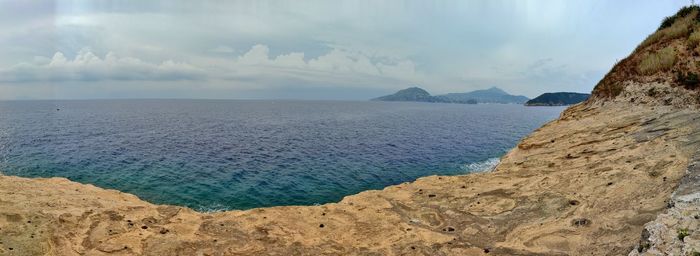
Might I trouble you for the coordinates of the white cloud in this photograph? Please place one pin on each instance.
(258, 55)
(86, 66)
(336, 61)
(445, 47)
(331, 68)
(342, 61)
(294, 59)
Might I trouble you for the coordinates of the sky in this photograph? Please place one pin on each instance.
(306, 49)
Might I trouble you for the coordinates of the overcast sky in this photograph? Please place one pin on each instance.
(313, 49)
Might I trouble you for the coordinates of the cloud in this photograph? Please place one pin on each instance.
(222, 49)
(541, 73)
(334, 67)
(444, 47)
(86, 66)
(336, 61)
(539, 63)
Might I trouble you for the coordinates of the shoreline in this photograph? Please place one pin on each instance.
(484, 166)
(568, 186)
(242, 163)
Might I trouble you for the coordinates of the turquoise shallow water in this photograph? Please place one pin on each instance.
(231, 154)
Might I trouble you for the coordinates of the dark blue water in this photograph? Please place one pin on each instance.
(225, 154)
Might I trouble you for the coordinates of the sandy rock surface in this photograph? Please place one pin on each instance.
(585, 184)
(677, 230)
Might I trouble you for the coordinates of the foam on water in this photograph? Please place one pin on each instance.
(214, 208)
(483, 166)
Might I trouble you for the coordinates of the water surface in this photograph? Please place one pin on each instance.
(234, 154)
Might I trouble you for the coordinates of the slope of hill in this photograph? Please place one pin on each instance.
(558, 99)
(665, 61)
(411, 94)
(491, 95)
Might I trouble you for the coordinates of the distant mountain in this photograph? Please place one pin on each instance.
(491, 95)
(558, 99)
(411, 94)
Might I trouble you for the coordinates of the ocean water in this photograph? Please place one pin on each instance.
(236, 154)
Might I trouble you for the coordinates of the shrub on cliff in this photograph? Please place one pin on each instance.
(661, 60)
(683, 12)
(689, 80)
(651, 39)
(680, 26)
(682, 233)
(694, 39)
(666, 56)
(679, 29)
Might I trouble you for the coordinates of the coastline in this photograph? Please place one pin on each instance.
(588, 181)
(250, 164)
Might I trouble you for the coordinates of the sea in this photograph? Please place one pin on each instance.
(214, 155)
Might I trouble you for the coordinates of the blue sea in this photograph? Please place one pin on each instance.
(240, 154)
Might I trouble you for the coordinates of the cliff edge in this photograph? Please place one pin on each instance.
(614, 175)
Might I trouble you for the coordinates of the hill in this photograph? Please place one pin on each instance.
(663, 69)
(558, 99)
(491, 95)
(411, 94)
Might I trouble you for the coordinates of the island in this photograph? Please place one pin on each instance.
(412, 94)
(558, 99)
(491, 95)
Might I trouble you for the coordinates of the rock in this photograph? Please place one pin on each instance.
(581, 222)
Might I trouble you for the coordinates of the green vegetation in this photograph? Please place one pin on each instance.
(694, 39)
(689, 80)
(679, 29)
(653, 38)
(669, 54)
(662, 60)
(682, 233)
(683, 12)
(557, 99)
(676, 26)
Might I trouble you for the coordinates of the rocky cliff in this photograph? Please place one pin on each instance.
(615, 175)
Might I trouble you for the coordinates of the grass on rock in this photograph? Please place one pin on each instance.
(662, 60)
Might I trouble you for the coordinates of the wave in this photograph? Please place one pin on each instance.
(212, 209)
(483, 166)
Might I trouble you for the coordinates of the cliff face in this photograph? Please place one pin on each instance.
(614, 175)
